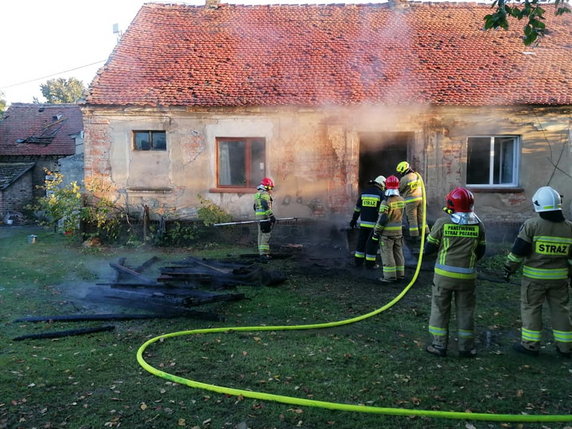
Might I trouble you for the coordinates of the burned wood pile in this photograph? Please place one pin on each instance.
(182, 285)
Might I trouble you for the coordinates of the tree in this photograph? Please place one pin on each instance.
(2, 103)
(62, 90)
(527, 9)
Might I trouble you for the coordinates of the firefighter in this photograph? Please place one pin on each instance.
(367, 211)
(459, 240)
(388, 232)
(544, 248)
(410, 188)
(265, 216)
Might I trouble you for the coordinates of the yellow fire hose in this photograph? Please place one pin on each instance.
(334, 405)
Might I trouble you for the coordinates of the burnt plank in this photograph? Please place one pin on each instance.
(118, 276)
(146, 264)
(93, 317)
(132, 273)
(59, 334)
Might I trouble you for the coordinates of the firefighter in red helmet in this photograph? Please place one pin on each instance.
(265, 216)
(544, 248)
(459, 239)
(388, 231)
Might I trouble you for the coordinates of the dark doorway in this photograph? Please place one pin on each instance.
(380, 153)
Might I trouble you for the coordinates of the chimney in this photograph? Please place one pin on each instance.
(212, 4)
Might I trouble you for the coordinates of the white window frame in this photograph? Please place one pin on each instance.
(516, 161)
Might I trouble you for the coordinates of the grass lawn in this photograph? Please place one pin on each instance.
(95, 381)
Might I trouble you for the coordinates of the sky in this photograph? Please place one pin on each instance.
(44, 40)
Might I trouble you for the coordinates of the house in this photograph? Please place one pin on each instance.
(207, 100)
(33, 138)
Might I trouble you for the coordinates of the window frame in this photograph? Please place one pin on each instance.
(250, 186)
(150, 133)
(517, 139)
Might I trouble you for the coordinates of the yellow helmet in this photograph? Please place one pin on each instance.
(402, 167)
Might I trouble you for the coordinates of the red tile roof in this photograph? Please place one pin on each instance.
(311, 55)
(40, 129)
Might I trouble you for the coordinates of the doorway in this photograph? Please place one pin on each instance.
(380, 153)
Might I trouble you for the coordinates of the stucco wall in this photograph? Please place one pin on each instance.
(313, 156)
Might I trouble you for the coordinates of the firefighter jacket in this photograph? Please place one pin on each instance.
(367, 206)
(263, 205)
(410, 187)
(390, 218)
(458, 246)
(545, 249)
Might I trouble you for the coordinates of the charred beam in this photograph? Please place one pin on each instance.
(59, 334)
(132, 273)
(93, 317)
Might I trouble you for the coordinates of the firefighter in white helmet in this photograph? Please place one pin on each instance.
(459, 239)
(367, 211)
(544, 248)
(410, 188)
(265, 216)
(388, 232)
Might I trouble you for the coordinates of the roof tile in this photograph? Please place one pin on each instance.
(271, 55)
(40, 129)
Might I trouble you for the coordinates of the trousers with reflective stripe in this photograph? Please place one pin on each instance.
(414, 216)
(533, 293)
(391, 249)
(444, 292)
(366, 249)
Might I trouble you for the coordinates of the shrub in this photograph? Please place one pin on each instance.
(210, 213)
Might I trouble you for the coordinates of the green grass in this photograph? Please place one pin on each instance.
(94, 381)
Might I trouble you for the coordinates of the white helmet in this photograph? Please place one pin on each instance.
(546, 199)
(380, 180)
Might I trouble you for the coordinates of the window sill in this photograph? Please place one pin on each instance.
(141, 190)
(231, 190)
(496, 190)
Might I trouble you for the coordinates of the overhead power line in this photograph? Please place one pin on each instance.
(53, 74)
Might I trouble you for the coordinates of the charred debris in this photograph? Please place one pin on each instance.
(180, 288)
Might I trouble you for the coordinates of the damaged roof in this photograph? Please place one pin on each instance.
(40, 129)
(338, 54)
(11, 172)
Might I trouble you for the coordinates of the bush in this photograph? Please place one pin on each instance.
(62, 205)
(210, 213)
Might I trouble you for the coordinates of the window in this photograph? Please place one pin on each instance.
(493, 161)
(241, 162)
(149, 140)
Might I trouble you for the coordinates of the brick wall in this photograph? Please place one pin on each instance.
(16, 196)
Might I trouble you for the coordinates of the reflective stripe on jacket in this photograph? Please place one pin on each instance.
(410, 187)
(262, 205)
(391, 216)
(367, 206)
(550, 250)
(457, 256)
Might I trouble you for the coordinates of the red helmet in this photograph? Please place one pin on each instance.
(267, 183)
(459, 200)
(392, 182)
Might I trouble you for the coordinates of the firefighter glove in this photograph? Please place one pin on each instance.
(353, 223)
(375, 237)
(265, 226)
(506, 274)
(272, 219)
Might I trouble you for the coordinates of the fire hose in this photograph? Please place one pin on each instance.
(243, 222)
(325, 404)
